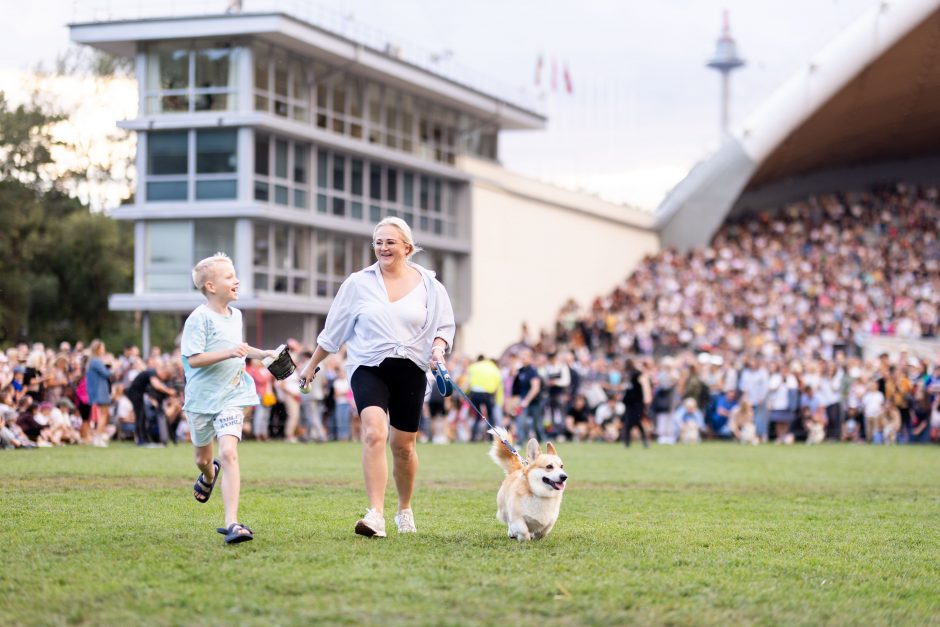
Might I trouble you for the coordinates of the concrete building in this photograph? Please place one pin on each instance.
(283, 143)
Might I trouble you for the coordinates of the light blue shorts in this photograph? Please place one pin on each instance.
(204, 427)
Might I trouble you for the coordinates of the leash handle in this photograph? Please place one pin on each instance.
(445, 384)
(305, 384)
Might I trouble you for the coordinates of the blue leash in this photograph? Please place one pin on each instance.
(446, 387)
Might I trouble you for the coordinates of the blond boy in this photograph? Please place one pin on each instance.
(217, 386)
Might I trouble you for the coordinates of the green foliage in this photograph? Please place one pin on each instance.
(25, 142)
(59, 262)
(717, 534)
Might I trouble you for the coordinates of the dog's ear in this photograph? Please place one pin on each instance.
(551, 449)
(532, 450)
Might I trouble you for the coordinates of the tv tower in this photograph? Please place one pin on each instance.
(726, 60)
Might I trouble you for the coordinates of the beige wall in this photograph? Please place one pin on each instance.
(534, 247)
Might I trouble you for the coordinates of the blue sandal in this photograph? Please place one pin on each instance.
(235, 533)
(202, 489)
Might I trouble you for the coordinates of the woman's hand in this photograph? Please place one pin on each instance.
(437, 356)
(305, 377)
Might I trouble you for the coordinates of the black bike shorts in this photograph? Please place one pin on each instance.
(396, 385)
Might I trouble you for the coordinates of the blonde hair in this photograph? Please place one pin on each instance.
(406, 234)
(96, 347)
(203, 270)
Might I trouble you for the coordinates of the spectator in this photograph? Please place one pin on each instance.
(485, 391)
(634, 402)
(98, 385)
(526, 403)
(689, 421)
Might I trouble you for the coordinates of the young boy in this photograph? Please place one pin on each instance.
(217, 386)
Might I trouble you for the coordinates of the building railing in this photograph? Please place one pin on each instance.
(440, 63)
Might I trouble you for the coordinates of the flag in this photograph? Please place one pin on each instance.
(567, 76)
(538, 70)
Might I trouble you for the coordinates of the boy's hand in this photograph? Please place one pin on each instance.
(240, 351)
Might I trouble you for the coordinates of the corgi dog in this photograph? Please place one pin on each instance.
(530, 497)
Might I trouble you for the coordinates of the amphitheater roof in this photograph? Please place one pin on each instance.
(871, 96)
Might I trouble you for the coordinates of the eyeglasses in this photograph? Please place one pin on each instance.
(391, 243)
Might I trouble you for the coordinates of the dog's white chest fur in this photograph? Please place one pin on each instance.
(530, 517)
(529, 498)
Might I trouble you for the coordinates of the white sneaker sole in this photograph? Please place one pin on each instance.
(363, 529)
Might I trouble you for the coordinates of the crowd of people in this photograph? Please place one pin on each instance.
(754, 338)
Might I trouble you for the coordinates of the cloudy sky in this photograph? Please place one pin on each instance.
(644, 107)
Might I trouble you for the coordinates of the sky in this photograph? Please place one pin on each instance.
(644, 108)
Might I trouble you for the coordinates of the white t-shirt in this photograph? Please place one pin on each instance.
(123, 408)
(224, 384)
(873, 402)
(408, 314)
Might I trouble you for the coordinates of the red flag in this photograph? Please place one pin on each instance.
(554, 75)
(538, 70)
(567, 76)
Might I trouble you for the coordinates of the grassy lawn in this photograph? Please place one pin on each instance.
(715, 534)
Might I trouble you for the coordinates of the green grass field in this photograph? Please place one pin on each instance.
(715, 534)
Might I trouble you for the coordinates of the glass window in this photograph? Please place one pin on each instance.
(262, 191)
(215, 67)
(322, 95)
(166, 190)
(357, 177)
(322, 168)
(262, 155)
(392, 180)
(281, 253)
(374, 109)
(262, 61)
(212, 102)
(280, 85)
(172, 68)
(355, 109)
(375, 181)
(339, 172)
(409, 196)
(339, 207)
(212, 190)
(261, 246)
(339, 108)
(339, 256)
(214, 236)
(300, 164)
(280, 158)
(173, 104)
(169, 256)
(425, 192)
(167, 153)
(280, 194)
(216, 151)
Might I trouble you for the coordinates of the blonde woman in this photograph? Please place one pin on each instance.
(98, 385)
(395, 319)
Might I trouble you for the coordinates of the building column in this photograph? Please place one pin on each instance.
(145, 332)
(244, 255)
(140, 256)
(246, 164)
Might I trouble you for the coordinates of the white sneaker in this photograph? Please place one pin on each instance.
(405, 519)
(371, 525)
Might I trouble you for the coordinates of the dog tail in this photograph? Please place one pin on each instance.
(502, 455)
